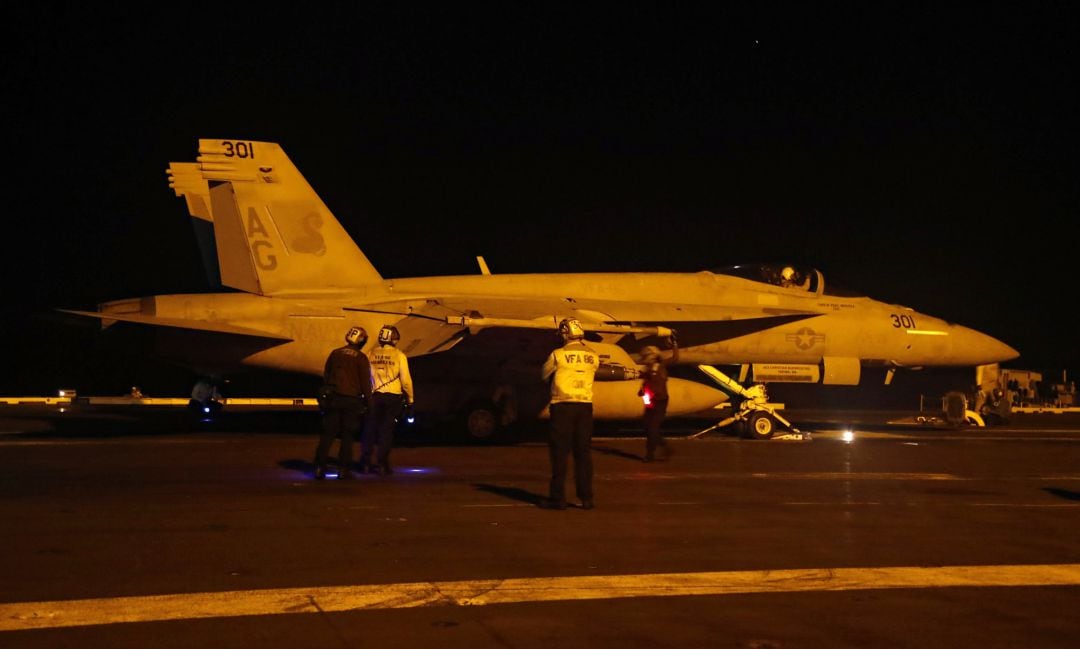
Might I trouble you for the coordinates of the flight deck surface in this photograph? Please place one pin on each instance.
(124, 531)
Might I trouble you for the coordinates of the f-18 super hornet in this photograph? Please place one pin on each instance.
(300, 282)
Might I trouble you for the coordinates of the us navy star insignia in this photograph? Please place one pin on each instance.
(805, 338)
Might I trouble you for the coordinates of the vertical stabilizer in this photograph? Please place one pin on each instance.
(187, 181)
(272, 232)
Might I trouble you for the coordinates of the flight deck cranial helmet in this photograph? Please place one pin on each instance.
(356, 336)
(389, 335)
(571, 329)
(650, 353)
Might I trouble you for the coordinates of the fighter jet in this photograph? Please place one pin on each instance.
(301, 282)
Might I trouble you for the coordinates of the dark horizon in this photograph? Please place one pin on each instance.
(926, 158)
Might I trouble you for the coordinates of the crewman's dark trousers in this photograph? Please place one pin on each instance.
(343, 418)
(571, 432)
(653, 419)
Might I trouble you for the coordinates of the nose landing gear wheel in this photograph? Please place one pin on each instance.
(760, 425)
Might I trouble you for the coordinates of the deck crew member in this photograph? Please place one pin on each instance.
(343, 399)
(571, 369)
(392, 395)
(654, 392)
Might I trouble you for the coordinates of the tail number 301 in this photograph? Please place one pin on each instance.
(904, 321)
(239, 149)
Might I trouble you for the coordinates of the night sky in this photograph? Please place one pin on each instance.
(925, 157)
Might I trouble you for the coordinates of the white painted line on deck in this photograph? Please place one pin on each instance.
(823, 475)
(110, 441)
(1028, 505)
(863, 503)
(23, 616)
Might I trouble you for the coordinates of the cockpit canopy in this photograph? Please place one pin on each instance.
(790, 276)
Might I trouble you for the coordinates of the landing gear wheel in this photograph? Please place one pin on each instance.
(760, 425)
(481, 420)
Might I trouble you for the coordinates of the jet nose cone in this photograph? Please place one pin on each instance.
(1006, 352)
(982, 349)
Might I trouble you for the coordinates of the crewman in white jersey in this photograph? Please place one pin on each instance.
(392, 393)
(571, 369)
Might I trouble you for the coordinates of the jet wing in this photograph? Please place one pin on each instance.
(423, 324)
(433, 324)
(178, 323)
(612, 319)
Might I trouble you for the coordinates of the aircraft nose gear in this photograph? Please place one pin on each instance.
(754, 418)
